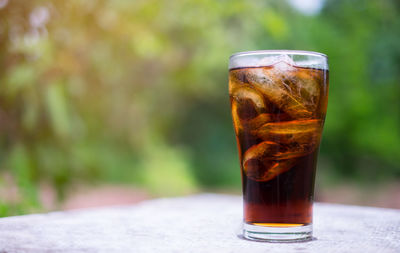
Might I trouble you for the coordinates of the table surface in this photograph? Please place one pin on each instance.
(199, 223)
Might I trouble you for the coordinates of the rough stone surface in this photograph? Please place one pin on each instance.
(200, 223)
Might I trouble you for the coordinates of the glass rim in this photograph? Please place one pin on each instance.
(280, 51)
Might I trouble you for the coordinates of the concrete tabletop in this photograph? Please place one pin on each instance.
(199, 223)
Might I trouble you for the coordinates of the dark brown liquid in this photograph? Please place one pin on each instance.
(278, 119)
(285, 199)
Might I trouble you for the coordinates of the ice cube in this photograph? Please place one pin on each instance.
(237, 78)
(271, 84)
(294, 150)
(283, 62)
(235, 117)
(298, 137)
(278, 167)
(283, 66)
(245, 94)
(247, 108)
(270, 150)
(261, 151)
(258, 121)
(305, 86)
(296, 131)
(264, 170)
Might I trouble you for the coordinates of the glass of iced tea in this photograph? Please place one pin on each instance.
(278, 101)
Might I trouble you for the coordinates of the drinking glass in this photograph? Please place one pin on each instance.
(278, 102)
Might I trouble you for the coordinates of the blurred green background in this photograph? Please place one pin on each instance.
(134, 93)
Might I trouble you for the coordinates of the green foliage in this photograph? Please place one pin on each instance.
(135, 92)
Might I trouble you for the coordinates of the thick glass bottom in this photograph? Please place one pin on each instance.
(277, 232)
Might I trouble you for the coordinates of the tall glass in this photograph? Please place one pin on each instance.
(278, 101)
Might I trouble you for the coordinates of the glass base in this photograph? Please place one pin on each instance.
(277, 232)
